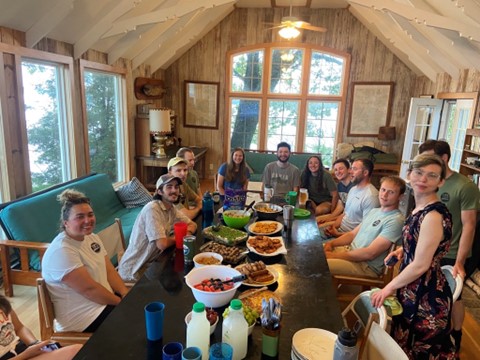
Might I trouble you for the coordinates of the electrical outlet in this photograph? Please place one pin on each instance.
(211, 166)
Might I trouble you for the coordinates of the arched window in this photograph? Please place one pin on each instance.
(294, 94)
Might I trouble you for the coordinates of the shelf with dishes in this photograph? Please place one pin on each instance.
(470, 163)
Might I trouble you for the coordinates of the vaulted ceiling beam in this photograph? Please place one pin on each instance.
(48, 22)
(175, 11)
(422, 17)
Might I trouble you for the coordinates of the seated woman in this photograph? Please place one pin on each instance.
(18, 342)
(322, 190)
(234, 174)
(83, 284)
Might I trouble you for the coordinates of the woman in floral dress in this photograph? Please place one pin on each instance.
(423, 329)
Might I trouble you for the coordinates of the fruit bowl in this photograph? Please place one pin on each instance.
(212, 299)
(236, 219)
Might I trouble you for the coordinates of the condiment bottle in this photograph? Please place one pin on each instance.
(235, 330)
(207, 209)
(198, 329)
(346, 345)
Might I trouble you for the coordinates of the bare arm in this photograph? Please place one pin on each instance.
(344, 239)
(431, 233)
(22, 331)
(82, 283)
(114, 279)
(335, 198)
(469, 219)
(220, 182)
(375, 249)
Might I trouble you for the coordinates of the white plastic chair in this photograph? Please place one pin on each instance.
(113, 240)
(362, 307)
(379, 345)
(456, 284)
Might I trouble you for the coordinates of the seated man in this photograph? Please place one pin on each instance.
(362, 250)
(153, 229)
(281, 175)
(192, 178)
(189, 203)
(361, 199)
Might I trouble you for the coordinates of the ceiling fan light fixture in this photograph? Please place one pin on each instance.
(289, 32)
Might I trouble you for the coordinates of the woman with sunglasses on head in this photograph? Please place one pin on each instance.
(423, 329)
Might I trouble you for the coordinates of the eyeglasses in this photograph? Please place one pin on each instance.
(430, 176)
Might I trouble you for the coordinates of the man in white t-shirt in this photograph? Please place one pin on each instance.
(362, 198)
(362, 250)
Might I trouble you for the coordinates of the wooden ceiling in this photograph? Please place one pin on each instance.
(429, 36)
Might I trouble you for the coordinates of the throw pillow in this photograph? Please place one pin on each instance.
(133, 194)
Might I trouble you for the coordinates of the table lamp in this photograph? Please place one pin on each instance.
(159, 128)
(386, 134)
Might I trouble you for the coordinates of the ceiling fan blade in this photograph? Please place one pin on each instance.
(307, 26)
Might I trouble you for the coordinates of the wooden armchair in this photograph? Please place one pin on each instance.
(23, 275)
(47, 315)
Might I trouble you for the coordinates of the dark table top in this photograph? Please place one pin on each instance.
(304, 287)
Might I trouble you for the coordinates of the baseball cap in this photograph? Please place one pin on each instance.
(175, 161)
(165, 179)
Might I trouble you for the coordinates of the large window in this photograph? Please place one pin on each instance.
(294, 94)
(47, 109)
(106, 121)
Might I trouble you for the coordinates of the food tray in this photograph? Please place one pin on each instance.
(231, 254)
(280, 250)
(277, 227)
(225, 235)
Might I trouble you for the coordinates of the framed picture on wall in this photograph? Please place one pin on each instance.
(370, 107)
(201, 104)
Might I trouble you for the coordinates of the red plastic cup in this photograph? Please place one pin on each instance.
(180, 230)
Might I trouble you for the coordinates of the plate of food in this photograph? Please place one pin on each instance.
(253, 298)
(265, 227)
(258, 274)
(225, 235)
(266, 245)
(231, 254)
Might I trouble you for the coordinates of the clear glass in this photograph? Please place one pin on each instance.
(247, 72)
(286, 71)
(244, 123)
(46, 123)
(282, 123)
(105, 125)
(326, 74)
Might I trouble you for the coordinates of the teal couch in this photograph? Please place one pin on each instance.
(36, 219)
(257, 160)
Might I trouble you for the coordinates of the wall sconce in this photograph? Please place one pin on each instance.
(289, 32)
(160, 127)
(386, 134)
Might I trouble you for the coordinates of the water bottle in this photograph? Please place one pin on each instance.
(198, 330)
(346, 345)
(207, 210)
(235, 330)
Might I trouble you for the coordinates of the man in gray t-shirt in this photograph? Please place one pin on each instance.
(281, 175)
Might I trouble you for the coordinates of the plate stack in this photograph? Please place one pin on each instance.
(311, 343)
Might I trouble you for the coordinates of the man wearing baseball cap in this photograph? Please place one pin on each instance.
(153, 229)
(190, 202)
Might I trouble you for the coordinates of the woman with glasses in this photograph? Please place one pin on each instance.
(423, 329)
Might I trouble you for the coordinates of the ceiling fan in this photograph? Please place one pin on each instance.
(290, 25)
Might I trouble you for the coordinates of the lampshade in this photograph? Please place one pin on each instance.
(289, 32)
(160, 121)
(386, 133)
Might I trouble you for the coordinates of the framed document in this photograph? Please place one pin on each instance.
(201, 104)
(370, 107)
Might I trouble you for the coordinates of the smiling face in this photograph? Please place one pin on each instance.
(389, 195)
(170, 191)
(426, 179)
(180, 170)
(81, 221)
(283, 154)
(237, 157)
(313, 165)
(341, 171)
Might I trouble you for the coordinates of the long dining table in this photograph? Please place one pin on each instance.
(304, 286)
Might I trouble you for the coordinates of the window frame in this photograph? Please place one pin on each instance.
(303, 97)
(123, 143)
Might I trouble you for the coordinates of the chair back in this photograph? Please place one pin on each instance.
(456, 284)
(113, 240)
(362, 308)
(45, 310)
(379, 345)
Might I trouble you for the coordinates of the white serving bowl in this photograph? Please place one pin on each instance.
(199, 256)
(188, 317)
(250, 329)
(212, 299)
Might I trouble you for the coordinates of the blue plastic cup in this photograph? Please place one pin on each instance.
(154, 320)
(192, 353)
(172, 351)
(221, 351)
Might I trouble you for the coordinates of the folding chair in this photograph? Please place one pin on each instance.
(456, 284)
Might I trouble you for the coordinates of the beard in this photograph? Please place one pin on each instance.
(283, 161)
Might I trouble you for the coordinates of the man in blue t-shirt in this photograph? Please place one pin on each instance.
(362, 250)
